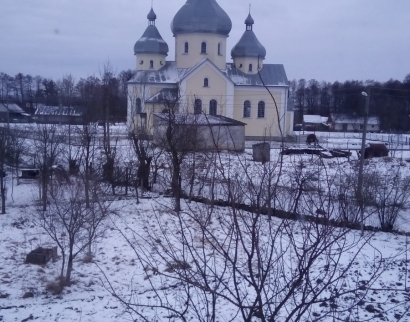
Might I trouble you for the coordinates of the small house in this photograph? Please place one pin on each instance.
(315, 123)
(60, 115)
(344, 122)
(12, 113)
(199, 132)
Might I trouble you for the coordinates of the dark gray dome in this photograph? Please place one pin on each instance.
(151, 42)
(151, 15)
(201, 16)
(249, 20)
(248, 45)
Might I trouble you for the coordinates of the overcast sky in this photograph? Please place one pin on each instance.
(322, 39)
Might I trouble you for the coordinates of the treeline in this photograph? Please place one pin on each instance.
(390, 100)
(103, 96)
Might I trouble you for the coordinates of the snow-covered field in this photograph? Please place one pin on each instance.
(378, 260)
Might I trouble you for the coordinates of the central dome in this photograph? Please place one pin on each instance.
(201, 16)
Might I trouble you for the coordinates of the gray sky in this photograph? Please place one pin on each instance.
(322, 39)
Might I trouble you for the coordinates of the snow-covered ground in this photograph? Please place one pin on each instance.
(116, 262)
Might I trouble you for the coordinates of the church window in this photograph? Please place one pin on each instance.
(261, 109)
(212, 107)
(219, 49)
(206, 82)
(151, 64)
(138, 106)
(247, 109)
(186, 48)
(198, 106)
(250, 67)
(203, 47)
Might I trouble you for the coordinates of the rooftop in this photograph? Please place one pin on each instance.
(271, 74)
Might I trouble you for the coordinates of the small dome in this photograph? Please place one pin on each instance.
(151, 42)
(201, 16)
(248, 45)
(249, 20)
(151, 15)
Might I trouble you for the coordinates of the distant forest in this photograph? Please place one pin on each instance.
(390, 101)
(106, 93)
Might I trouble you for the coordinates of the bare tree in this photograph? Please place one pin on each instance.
(70, 223)
(5, 154)
(391, 196)
(48, 141)
(19, 148)
(208, 258)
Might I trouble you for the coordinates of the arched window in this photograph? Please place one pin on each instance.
(247, 109)
(212, 107)
(151, 64)
(219, 49)
(206, 82)
(250, 67)
(261, 109)
(186, 48)
(198, 106)
(138, 106)
(203, 47)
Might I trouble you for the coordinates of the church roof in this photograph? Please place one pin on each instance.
(201, 16)
(272, 75)
(248, 45)
(169, 74)
(151, 15)
(151, 41)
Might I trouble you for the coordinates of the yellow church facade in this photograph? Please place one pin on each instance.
(201, 81)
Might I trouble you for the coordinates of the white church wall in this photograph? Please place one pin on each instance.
(144, 61)
(266, 126)
(217, 89)
(242, 63)
(194, 55)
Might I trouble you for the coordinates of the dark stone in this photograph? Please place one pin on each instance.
(28, 319)
(41, 256)
(370, 308)
(28, 295)
(30, 174)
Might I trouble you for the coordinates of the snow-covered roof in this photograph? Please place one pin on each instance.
(169, 74)
(12, 108)
(316, 119)
(350, 119)
(164, 95)
(199, 119)
(271, 74)
(59, 110)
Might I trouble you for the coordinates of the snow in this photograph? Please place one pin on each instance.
(317, 119)
(89, 300)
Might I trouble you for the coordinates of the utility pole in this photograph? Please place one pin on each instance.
(360, 177)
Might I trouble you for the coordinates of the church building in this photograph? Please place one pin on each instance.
(201, 81)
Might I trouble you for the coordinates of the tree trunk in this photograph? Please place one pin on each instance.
(3, 193)
(44, 190)
(176, 185)
(69, 269)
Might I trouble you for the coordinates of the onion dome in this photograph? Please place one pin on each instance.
(151, 41)
(151, 15)
(201, 16)
(248, 45)
(249, 20)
